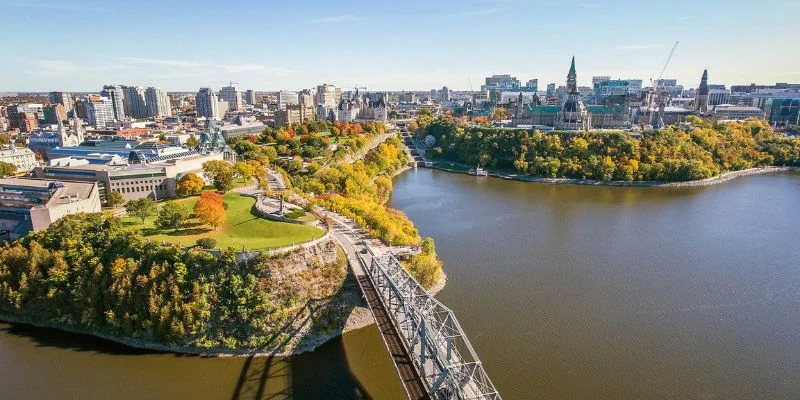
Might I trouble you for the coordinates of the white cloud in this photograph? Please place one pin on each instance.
(238, 68)
(332, 19)
(163, 62)
(53, 67)
(639, 46)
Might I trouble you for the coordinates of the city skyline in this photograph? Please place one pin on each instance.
(387, 46)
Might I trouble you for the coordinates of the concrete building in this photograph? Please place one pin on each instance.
(730, 112)
(289, 115)
(55, 113)
(233, 96)
(717, 96)
(153, 170)
(135, 103)
(598, 79)
(100, 112)
(250, 97)
(242, 127)
(23, 120)
(532, 85)
(30, 205)
(444, 94)
(407, 98)
(286, 98)
(328, 95)
(207, 104)
(158, 103)
(62, 98)
(117, 95)
(22, 158)
(501, 83)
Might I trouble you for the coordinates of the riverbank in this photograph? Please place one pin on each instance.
(724, 177)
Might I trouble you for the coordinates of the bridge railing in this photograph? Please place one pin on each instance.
(440, 350)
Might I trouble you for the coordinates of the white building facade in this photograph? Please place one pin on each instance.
(158, 103)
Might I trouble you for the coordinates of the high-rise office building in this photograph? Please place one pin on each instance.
(135, 103)
(500, 83)
(62, 98)
(117, 95)
(328, 96)
(444, 94)
(99, 112)
(250, 97)
(286, 98)
(233, 96)
(158, 103)
(207, 103)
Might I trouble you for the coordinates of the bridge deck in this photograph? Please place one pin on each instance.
(408, 374)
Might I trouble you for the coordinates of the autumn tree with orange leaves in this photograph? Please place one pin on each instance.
(210, 209)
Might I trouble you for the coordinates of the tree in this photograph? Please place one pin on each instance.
(7, 169)
(190, 184)
(426, 267)
(172, 215)
(192, 142)
(221, 174)
(141, 208)
(244, 169)
(499, 114)
(210, 209)
(114, 199)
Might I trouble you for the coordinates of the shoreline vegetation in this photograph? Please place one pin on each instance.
(698, 152)
(722, 178)
(94, 274)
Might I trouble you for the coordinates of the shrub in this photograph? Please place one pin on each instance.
(207, 243)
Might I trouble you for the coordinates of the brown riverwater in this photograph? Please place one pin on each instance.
(567, 292)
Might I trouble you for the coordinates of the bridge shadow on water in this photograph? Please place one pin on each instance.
(321, 374)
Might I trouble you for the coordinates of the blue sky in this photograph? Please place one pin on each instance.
(389, 45)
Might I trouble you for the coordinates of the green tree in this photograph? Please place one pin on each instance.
(245, 169)
(172, 215)
(7, 169)
(221, 174)
(190, 184)
(114, 199)
(141, 208)
(192, 142)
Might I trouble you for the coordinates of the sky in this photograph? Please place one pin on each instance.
(390, 45)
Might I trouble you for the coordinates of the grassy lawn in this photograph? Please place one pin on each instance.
(243, 228)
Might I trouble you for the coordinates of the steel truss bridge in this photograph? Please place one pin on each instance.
(430, 350)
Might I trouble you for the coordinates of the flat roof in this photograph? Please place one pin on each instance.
(62, 195)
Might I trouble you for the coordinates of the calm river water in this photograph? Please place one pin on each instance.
(566, 292)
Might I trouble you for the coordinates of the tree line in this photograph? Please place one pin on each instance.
(700, 150)
(89, 272)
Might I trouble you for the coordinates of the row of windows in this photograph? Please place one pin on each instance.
(137, 189)
(142, 182)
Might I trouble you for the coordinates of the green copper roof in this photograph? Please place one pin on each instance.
(544, 109)
(604, 109)
(572, 67)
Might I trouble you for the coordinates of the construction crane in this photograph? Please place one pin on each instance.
(658, 93)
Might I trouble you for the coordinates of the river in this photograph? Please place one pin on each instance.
(566, 292)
